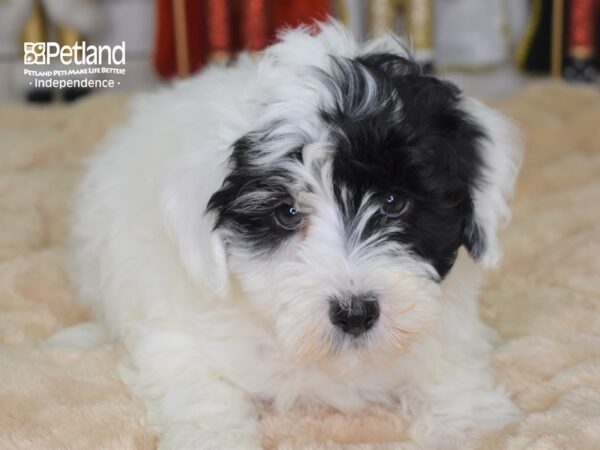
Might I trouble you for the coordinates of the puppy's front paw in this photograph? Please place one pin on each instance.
(455, 426)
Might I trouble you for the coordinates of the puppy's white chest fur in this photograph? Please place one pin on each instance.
(251, 358)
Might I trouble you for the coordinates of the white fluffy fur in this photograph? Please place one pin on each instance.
(209, 332)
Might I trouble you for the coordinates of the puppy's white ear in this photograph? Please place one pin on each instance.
(201, 249)
(501, 156)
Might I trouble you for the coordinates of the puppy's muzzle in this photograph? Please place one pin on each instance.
(355, 315)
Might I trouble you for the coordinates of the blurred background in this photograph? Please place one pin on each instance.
(490, 48)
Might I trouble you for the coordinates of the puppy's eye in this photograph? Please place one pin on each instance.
(394, 205)
(288, 217)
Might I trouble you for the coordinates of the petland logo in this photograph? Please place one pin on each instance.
(45, 53)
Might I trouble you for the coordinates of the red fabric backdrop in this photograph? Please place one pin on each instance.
(216, 29)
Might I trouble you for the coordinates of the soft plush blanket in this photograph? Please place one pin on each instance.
(544, 301)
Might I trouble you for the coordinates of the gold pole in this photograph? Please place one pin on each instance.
(420, 28)
(181, 43)
(382, 16)
(557, 38)
(35, 29)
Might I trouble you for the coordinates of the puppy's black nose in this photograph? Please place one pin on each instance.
(356, 316)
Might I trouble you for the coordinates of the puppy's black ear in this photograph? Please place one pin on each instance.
(501, 159)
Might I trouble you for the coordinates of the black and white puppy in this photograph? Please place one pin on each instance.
(290, 230)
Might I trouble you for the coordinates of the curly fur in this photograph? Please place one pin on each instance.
(177, 249)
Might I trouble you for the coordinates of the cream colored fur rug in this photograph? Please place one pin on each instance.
(544, 301)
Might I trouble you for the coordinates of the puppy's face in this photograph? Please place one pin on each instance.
(341, 219)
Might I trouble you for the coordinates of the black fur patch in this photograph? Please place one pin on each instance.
(428, 149)
(254, 227)
(394, 129)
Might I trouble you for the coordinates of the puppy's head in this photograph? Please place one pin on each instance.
(344, 208)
